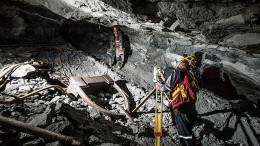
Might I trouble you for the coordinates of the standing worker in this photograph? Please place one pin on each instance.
(116, 52)
(183, 87)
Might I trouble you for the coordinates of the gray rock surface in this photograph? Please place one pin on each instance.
(22, 71)
(225, 32)
(34, 143)
(42, 119)
(245, 39)
(56, 143)
(209, 127)
(59, 127)
(214, 21)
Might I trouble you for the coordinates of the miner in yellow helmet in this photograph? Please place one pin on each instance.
(183, 87)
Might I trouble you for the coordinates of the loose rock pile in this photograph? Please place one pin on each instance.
(55, 111)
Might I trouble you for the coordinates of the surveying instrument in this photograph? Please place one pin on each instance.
(158, 105)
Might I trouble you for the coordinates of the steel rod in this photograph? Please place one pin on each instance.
(33, 130)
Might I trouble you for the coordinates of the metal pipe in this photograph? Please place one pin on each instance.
(33, 130)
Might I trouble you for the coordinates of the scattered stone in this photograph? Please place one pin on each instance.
(75, 104)
(37, 142)
(25, 137)
(81, 102)
(119, 100)
(108, 118)
(38, 120)
(134, 128)
(42, 119)
(150, 104)
(166, 103)
(22, 71)
(59, 121)
(55, 99)
(109, 144)
(117, 129)
(67, 100)
(11, 89)
(59, 127)
(56, 143)
(94, 139)
(21, 119)
(58, 107)
(94, 114)
(37, 110)
(24, 89)
(113, 106)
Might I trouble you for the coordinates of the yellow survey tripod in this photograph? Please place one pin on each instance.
(158, 106)
(158, 113)
(158, 119)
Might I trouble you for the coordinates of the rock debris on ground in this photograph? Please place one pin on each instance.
(221, 121)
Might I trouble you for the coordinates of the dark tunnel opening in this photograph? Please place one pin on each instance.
(221, 86)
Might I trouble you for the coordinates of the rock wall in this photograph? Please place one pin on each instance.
(85, 24)
(225, 35)
(26, 24)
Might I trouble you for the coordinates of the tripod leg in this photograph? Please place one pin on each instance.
(158, 129)
(144, 100)
(158, 121)
(167, 97)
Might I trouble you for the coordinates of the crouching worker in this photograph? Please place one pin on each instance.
(183, 87)
(116, 52)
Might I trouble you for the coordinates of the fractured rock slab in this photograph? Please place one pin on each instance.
(42, 119)
(22, 71)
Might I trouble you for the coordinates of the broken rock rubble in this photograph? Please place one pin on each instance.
(72, 117)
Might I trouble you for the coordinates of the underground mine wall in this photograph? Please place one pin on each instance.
(93, 39)
(28, 24)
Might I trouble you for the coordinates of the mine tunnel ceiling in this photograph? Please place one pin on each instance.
(228, 32)
(232, 23)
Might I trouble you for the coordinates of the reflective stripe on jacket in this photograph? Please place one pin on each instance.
(184, 91)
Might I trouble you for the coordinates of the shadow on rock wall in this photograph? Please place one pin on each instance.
(22, 23)
(219, 84)
(86, 36)
(91, 38)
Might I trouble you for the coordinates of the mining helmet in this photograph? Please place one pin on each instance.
(191, 60)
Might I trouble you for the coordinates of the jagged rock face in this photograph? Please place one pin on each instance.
(224, 35)
(219, 22)
(149, 43)
(23, 24)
